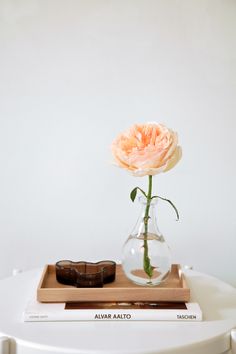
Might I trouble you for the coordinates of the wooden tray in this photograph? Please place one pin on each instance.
(174, 289)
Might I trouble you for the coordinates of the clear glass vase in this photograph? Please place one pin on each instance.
(146, 258)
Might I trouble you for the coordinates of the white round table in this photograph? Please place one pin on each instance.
(214, 335)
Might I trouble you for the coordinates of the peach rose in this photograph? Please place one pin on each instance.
(147, 149)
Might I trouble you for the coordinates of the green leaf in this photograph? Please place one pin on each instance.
(133, 194)
(169, 201)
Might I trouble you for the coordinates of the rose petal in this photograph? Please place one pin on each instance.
(147, 149)
(174, 159)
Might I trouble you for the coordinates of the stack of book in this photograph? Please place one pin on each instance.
(118, 301)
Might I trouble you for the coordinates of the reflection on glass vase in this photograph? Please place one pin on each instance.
(146, 258)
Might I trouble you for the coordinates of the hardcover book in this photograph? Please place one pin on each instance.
(112, 311)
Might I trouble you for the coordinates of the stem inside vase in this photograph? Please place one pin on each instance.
(146, 260)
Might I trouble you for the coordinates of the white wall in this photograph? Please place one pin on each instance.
(73, 74)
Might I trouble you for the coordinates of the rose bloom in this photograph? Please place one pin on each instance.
(147, 149)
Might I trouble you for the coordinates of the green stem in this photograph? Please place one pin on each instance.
(146, 260)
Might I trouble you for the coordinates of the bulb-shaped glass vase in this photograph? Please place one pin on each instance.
(146, 258)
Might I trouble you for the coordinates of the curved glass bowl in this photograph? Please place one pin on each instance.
(85, 274)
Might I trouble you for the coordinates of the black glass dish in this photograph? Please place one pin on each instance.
(85, 274)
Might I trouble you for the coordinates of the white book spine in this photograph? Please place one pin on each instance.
(192, 313)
